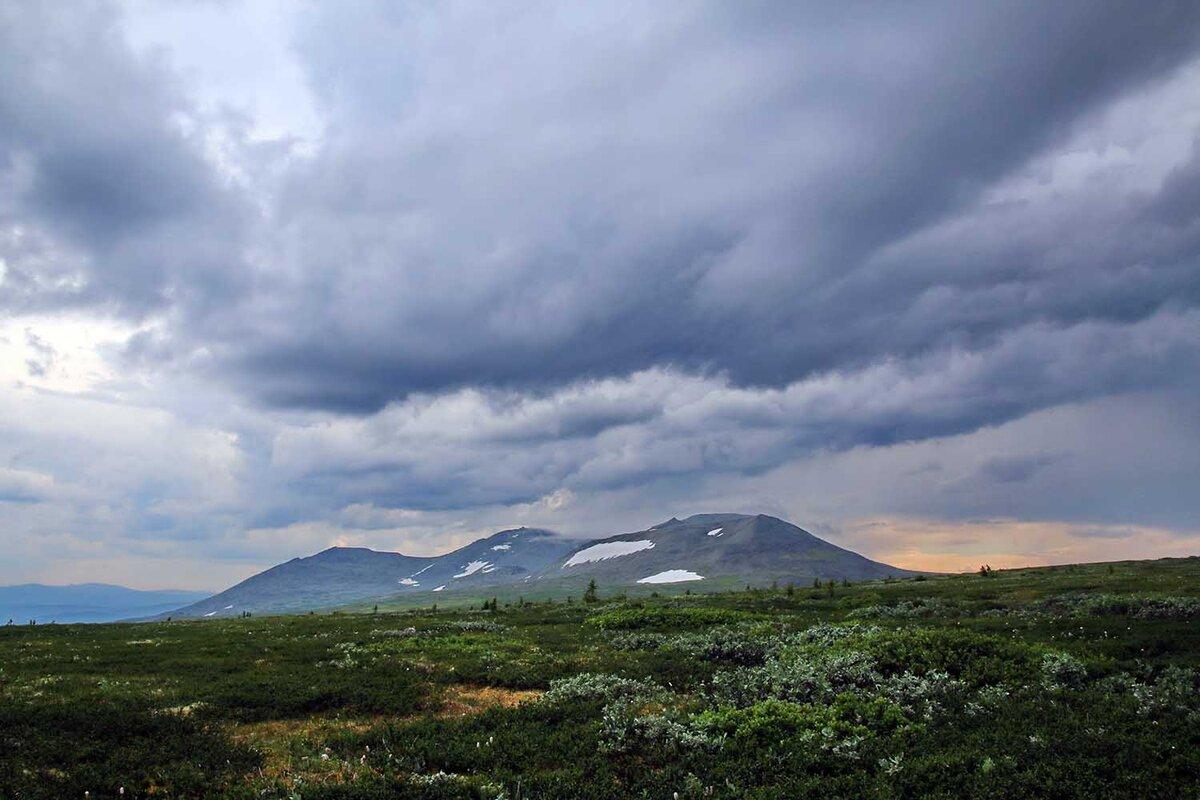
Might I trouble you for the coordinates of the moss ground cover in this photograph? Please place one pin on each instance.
(1066, 682)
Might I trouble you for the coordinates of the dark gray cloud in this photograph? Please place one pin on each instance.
(1016, 469)
(467, 448)
(526, 196)
(753, 192)
(620, 251)
(107, 198)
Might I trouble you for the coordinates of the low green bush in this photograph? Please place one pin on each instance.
(1132, 606)
(625, 619)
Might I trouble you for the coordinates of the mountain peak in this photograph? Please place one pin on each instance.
(342, 552)
(719, 547)
(696, 519)
(715, 549)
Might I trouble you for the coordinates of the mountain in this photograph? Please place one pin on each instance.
(86, 602)
(754, 549)
(510, 556)
(343, 575)
(332, 577)
(718, 548)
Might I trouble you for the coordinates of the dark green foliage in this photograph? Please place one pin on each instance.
(1076, 684)
(662, 617)
(1135, 606)
(67, 749)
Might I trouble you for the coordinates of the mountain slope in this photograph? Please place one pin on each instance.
(755, 549)
(332, 577)
(509, 556)
(86, 602)
(343, 575)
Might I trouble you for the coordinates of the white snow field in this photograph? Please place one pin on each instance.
(409, 582)
(715, 532)
(475, 566)
(438, 589)
(502, 547)
(604, 550)
(672, 576)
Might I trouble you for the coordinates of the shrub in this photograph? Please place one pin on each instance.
(100, 747)
(598, 686)
(640, 618)
(625, 730)
(920, 608)
(723, 644)
(840, 728)
(1062, 671)
(1133, 606)
(638, 640)
(479, 625)
(921, 671)
(825, 635)
(1174, 690)
(399, 633)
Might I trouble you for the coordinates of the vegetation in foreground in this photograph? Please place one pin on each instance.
(1067, 682)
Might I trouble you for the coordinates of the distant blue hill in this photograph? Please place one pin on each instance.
(87, 602)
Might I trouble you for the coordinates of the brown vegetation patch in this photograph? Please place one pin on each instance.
(293, 748)
(311, 728)
(461, 701)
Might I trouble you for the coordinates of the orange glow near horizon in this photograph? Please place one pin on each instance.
(945, 546)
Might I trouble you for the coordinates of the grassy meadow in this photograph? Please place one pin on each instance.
(1065, 682)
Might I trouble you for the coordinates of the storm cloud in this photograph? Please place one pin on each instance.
(607, 251)
(737, 195)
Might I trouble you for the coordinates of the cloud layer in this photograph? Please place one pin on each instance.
(632, 256)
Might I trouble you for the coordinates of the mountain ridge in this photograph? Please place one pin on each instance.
(711, 546)
(87, 602)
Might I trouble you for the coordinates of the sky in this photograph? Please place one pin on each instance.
(922, 278)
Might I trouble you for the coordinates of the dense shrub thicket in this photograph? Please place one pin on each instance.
(1132, 606)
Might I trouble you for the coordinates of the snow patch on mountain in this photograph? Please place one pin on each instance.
(502, 547)
(672, 576)
(715, 532)
(410, 581)
(475, 566)
(606, 550)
